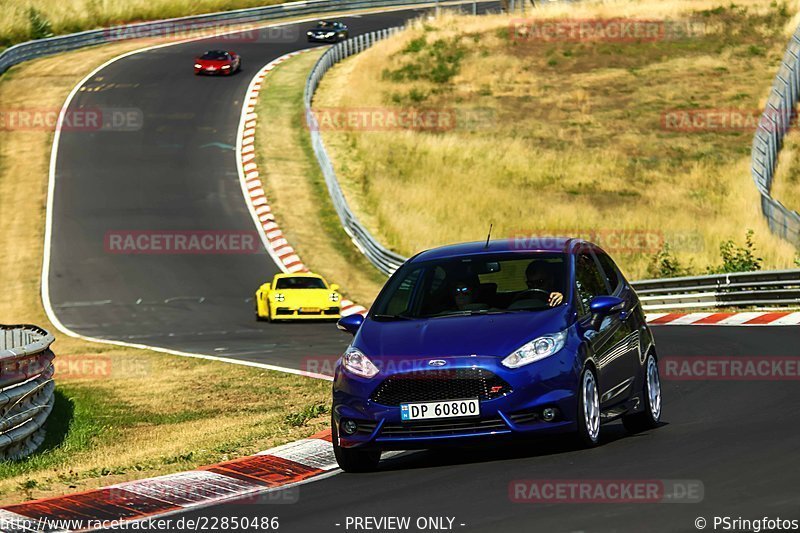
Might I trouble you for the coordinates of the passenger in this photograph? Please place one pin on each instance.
(462, 294)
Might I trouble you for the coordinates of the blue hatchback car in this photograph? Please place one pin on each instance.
(481, 340)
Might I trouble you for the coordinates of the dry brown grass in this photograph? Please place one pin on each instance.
(170, 413)
(296, 188)
(79, 15)
(574, 141)
(786, 186)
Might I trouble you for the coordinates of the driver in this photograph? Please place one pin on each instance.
(539, 276)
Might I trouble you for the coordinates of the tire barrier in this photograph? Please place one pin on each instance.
(26, 389)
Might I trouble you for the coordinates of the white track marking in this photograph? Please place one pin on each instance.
(48, 233)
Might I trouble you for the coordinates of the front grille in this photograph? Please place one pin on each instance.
(436, 428)
(438, 385)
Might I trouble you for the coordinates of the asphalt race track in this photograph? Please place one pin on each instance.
(175, 173)
(738, 438)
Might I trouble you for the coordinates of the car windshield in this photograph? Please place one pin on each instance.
(479, 284)
(299, 283)
(215, 55)
(324, 24)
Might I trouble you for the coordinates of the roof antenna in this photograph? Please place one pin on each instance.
(489, 236)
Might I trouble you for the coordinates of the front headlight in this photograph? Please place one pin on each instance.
(279, 297)
(359, 364)
(536, 350)
(225, 66)
(198, 65)
(334, 297)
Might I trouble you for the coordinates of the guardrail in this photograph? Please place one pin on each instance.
(384, 259)
(743, 289)
(779, 115)
(183, 26)
(26, 388)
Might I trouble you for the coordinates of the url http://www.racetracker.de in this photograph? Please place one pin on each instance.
(200, 523)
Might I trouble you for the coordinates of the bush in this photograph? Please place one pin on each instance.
(736, 258)
(437, 62)
(664, 264)
(40, 27)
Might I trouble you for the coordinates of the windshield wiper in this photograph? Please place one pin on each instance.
(464, 313)
(479, 312)
(392, 317)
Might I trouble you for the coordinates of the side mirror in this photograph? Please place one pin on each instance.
(350, 323)
(603, 306)
(334, 287)
(267, 287)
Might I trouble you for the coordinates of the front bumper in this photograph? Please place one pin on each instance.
(214, 72)
(283, 312)
(551, 383)
(320, 39)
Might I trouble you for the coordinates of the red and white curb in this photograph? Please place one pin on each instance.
(249, 479)
(274, 240)
(755, 318)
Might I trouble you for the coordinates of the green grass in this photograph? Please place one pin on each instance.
(90, 419)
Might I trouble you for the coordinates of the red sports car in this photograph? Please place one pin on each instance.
(217, 62)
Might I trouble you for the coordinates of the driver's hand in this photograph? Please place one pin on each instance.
(556, 298)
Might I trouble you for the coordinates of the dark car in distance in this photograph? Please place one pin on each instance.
(327, 32)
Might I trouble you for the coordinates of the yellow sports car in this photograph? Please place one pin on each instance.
(298, 296)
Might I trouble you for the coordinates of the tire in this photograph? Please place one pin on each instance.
(651, 415)
(353, 460)
(259, 318)
(588, 413)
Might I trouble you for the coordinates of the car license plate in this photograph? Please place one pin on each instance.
(445, 409)
(309, 309)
